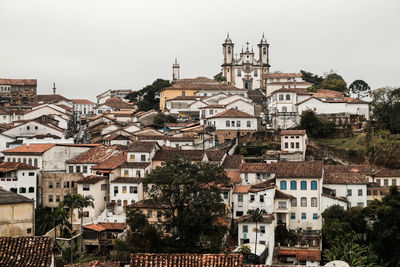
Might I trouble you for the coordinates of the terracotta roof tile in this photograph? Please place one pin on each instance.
(215, 155)
(112, 162)
(94, 156)
(234, 176)
(388, 173)
(241, 189)
(193, 155)
(8, 197)
(51, 98)
(301, 254)
(11, 166)
(293, 132)
(92, 179)
(36, 149)
(95, 263)
(142, 146)
(135, 165)
(99, 227)
(258, 167)
(83, 102)
(233, 113)
(26, 251)
(299, 169)
(268, 218)
(364, 169)
(18, 81)
(233, 162)
(187, 260)
(128, 180)
(345, 178)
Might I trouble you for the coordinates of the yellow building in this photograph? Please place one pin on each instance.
(17, 215)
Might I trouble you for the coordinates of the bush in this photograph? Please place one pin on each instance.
(315, 126)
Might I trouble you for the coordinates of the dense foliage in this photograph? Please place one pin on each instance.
(386, 108)
(162, 118)
(331, 81)
(145, 99)
(315, 126)
(360, 88)
(191, 199)
(219, 77)
(364, 236)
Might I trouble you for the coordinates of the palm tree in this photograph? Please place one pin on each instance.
(60, 218)
(69, 202)
(81, 203)
(257, 217)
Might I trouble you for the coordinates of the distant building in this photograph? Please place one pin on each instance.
(293, 145)
(120, 93)
(83, 106)
(18, 91)
(17, 216)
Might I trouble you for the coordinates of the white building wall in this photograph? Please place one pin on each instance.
(99, 195)
(120, 194)
(220, 123)
(355, 199)
(329, 202)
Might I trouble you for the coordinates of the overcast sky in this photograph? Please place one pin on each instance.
(87, 47)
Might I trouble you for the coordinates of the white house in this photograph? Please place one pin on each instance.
(139, 159)
(20, 178)
(125, 191)
(276, 80)
(255, 173)
(33, 128)
(293, 142)
(83, 106)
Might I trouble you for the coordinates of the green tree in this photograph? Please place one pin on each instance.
(384, 235)
(312, 78)
(360, 88)
(315, 126)
(162, 118)
(81, 203)
(386, 108)
(61, 220)
(334, 81)
(220, 78)
(190, 192)
(256, 216)
(146, 99)
(70, 203)
(44, 221)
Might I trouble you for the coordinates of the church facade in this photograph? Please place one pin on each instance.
(246, 71)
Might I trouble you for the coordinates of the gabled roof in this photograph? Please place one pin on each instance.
(128, 180)
(135, 165)
(18, 81)
(142, 146)
(299, 169)
(29, 149)
(83, 102)
(233, 161)
(193, 155)
(232, 113)
(92, 179)
(364, 169)
(102, 226)
(215, 155)
(268, 218)
(112, 162)
(8, 197)
(257, 167)
(388, 173)
(51, 98)
(186, 260)
(94, 155)
(12, 166)
(281, 195)
(293, 132)
(201, 84)
(26, 251)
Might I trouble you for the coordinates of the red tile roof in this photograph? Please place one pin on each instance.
(51, 98)
(241, 189)
(128, 180)
(193, 155)
(83, 102)
(258, 167)
(26, 251)
(215, 155)
(301, 254)
(299, 169)
(18, 81)
(36, 149)
(112, 162)
(283, 75)
(233, 162)
(94, 156)
(105, 226)
(92, 179)
(186, 260)
(293, 132)
(233, 113)
(142, 146)
(11, 166)
(345, 178)
(95, 263)
(388, 173)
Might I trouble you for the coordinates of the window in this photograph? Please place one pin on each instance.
(50, 184)
(132, 158)
(378, 181)
(70, 168)
(35, 162)
(252, 197)
(385, 182)
(297, 145)
(126, 173)
(233, 123)
(262, 229)
(228, 124)
(313, 185)
(29, 230)
(135, 190)
(119, 202)
(36, 127)
(293, 185)
(237, 123)
(31, 174)
(292, 144)
(31, 189)
(258, 175)
(286, 145)
(22, 190)
(349, 193)
(57, 184)
(115, 190)
(143, 157)
(84, 169)
(124, 190)
(86, 187)
(239, 73)
(261, 198)
(246, 177)
(50, 198)
(78, 168)
(360, 193)
(264, 50)
(314, 202)
(239, 213)
(283, 185)
(226, 195)
(315, 216)
(28, 127)
(282, 205)
(303, 202)
(394, 182)
(255, 73)
(66, 184)
(183, 93)
(360, 204)
(137, 173)
(368, 192)
(248, 124)
(57, 198)
(303, 216)
(211, 112)
(30, 161)
(103, 187)
(375, 192)
(229, 50)
(293, 216)
(281, 97)
(240, 198)
(245, 229)
(287, 96)
(303, 185)
(293, 202)
(284, 109)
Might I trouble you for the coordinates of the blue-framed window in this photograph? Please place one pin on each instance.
(303, 216)
(293, 216)
(315, 216)
(303, 185)
(283, 185)
(293, 185)
(313, 185)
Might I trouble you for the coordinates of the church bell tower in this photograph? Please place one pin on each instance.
(175, 71)
(228, 51)
(263, 52)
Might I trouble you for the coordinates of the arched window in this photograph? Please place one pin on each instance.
(293, 185)
(35, 162)
(22, 190)
(283, 185)
(239, 73)
(313, 185)
(31, 189)
(304, 202)
(314, 202)
(287, 96)
(255, 73)
(303, 185)
(229, 50)
(293, 202)
(264, 50)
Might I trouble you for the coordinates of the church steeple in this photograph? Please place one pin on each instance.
(175, 71)
(54, 88)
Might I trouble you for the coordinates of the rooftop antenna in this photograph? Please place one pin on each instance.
(54, 88)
